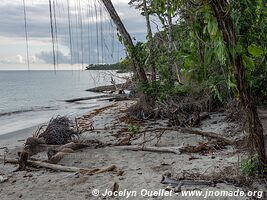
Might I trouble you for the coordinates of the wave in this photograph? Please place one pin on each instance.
(34, 109)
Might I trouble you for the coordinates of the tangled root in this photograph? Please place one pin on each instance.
(59, 131)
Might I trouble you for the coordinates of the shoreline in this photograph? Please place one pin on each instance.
(17, 137)
(140, 169)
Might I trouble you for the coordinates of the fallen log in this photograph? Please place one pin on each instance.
(89, 98)
(118, 97)
(175, 150)
(86, 171)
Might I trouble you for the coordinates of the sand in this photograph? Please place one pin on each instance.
(142, 170)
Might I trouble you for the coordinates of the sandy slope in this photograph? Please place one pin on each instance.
(142, 170)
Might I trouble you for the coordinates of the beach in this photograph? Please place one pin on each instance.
(142, 171)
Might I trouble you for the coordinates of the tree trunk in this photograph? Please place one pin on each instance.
(127, 40)
(170, 48)
(150, 42)
(170, 40)
(255, 129)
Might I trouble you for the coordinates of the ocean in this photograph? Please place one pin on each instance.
(30, 98)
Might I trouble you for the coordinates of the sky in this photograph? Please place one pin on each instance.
(90, 25)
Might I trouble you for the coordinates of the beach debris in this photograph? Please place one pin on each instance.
(6, 150)
(94, 113)
(211, 135)
(59, 131)
(54, 152)
(120, 172)
(55, 156)
(91, 172)
(23, 160)
(3, 179)
(105, 97)
(125, 141)
(88, 98)
(115, 188)
(85, 171)
(175, 150)
(73, 175)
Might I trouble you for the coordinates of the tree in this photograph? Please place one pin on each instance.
(127, 41)
(150, 42)
(143, 6)
(255, 129)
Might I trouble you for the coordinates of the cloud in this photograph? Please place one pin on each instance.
(89, 45)
(20, 59)
(5, 61)
(47, 57)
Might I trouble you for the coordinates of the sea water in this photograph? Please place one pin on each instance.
(31, 98)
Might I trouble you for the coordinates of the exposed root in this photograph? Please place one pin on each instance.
(184, 111)
(143, 109)
(59, 131)
(234, 113)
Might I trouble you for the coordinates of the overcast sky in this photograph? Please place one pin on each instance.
(83, 33)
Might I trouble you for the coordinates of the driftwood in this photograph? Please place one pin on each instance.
(106, 88)
(89, 98)
(35, 148)
(86, 171)
(3, 179)
(110, 97)
(191, 131)
(175, 150)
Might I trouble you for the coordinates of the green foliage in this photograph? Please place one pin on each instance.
(200, 50)
(160, 90)
(255, 51)
(133, 129)
(250, 166)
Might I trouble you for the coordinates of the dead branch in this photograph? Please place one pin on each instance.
(86, 171)
(98, 170)
(191, 131)
(175, 150)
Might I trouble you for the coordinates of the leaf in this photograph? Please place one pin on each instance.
(212, 27)
(220, 52)
(248, 62)
(255, 51)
